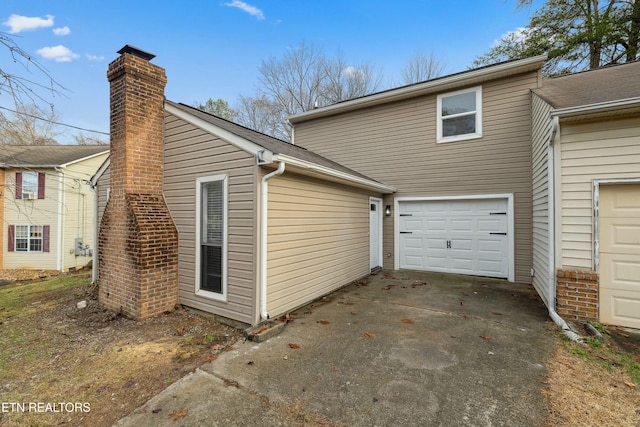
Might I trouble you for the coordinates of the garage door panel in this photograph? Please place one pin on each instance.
(620, 307)
(456, 236)
(620, 271)
(619, 237)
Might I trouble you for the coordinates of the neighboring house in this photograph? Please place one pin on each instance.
(47, 206)
(586, 141)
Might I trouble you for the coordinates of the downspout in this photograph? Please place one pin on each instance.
(61, 204)
(264, 189)
(566, 330)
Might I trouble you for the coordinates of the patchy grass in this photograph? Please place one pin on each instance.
(53, 352)
(596, 383)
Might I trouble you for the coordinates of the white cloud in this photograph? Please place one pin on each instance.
(58, 53)
(352, 72)
(513, 37)
(62, 31)
(251, 10)
(94, 57)
(18, 23)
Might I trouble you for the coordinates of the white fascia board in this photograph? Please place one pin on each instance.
(94, 179)
(373, 185)
(64, 165)
(233, 139)
(596, 108)
(430, 86)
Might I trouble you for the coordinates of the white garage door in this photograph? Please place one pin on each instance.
(619, 225)
(455, 236)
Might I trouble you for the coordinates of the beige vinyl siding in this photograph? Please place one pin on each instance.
(318, 239)
(603, 149)
(32, 212)
(395, 143)
(191, 153)
(540, 133)
(78, 209)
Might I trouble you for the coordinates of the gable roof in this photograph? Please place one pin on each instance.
(47, 156)
(603, 85)
(278, 149)
(437, 85)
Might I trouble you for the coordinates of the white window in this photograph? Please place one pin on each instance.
(211, 232)
(460, 115)
(28, 238)
(29, 185)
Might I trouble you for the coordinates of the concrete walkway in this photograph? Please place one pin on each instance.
(398, 348)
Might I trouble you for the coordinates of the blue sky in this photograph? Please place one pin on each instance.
(213, 48)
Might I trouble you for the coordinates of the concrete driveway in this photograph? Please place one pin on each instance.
(398, 348)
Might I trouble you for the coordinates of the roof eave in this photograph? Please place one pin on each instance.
(338, 175)
(599, 107)
(430, 86)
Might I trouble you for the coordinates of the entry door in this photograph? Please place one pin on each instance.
(375, 224)
(619, 225)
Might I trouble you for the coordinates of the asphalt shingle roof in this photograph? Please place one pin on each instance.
(606, 84)
(46, 155)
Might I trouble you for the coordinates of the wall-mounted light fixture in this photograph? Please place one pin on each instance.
(387, 210)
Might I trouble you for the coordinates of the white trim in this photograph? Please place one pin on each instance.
(596, 214)
(597, 107)
(101, 170)
(378, 201)
(477, 112)
(439, 84)
(510, 223)
(64, 165)
(361, 182)
(225, 236)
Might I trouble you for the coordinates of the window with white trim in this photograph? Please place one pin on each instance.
(460, 115)
(28, 238)
(212, 236)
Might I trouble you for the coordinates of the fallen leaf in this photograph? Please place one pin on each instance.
(369, 334)
(623, 334)
(323, 322)
(462, 304)
(264, 328)
(207, 359)
(408, 321)
(250, 362)
(294, 346)
(157, 410)
(496, 313)
(485, 337)
(354, 313)
(177, 415)
(630, 384)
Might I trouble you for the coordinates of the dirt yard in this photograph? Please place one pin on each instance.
(83, 366)
(105, 366)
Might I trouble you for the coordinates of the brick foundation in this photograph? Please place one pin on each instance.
(138, 241)
(577, 295)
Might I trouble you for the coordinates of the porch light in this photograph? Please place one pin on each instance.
(387, 210)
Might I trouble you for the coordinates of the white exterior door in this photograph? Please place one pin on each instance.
(464, 236)
(619, 229)
(375, 227)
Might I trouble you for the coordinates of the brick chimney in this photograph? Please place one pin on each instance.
(138, 241)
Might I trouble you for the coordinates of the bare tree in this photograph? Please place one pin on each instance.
(30, 125)
(23, 78)
(263, 115)
(421, 67)
(83, 138)
(305, 78)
